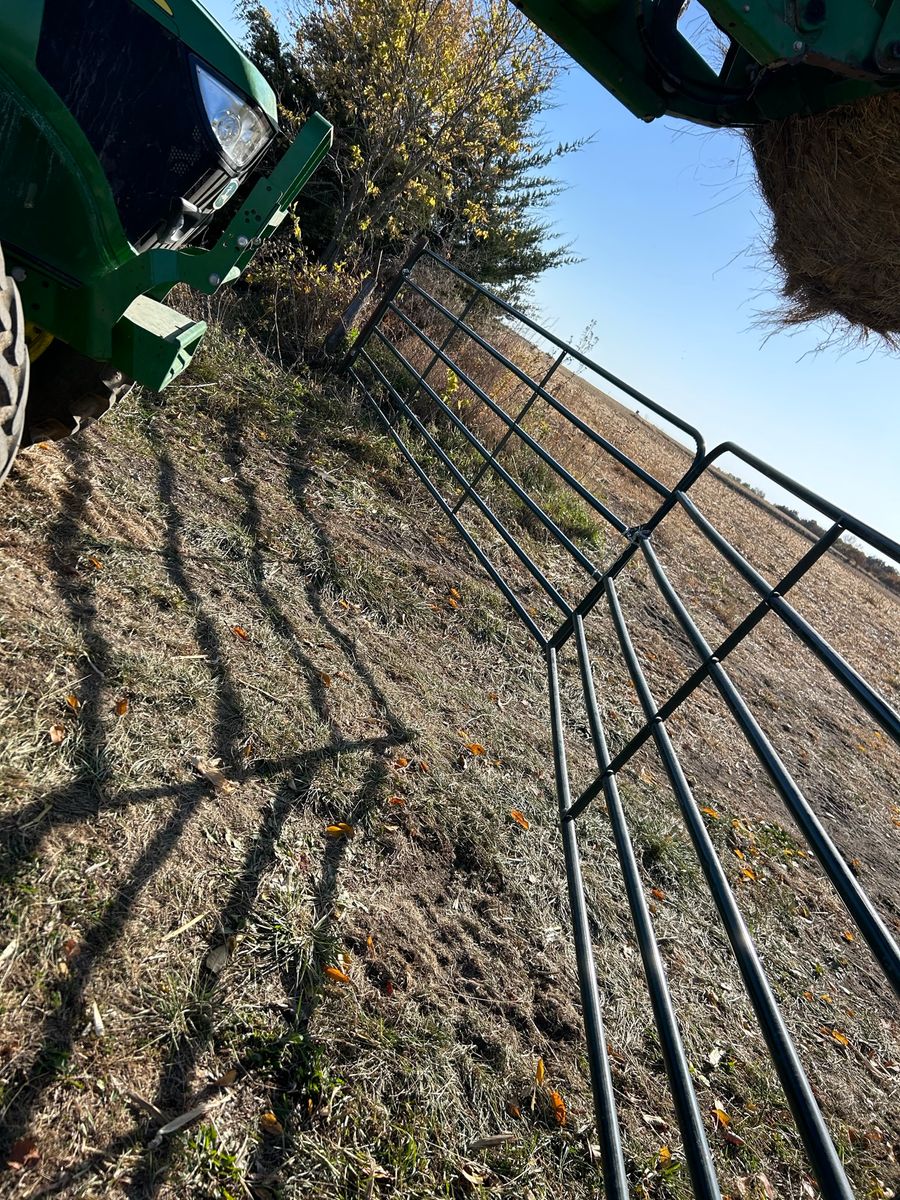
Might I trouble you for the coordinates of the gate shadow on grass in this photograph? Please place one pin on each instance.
(86, 796)
(177, 1090)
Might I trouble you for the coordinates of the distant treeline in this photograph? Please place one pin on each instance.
(852, 552)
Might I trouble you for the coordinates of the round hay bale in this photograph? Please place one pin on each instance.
(832, 183)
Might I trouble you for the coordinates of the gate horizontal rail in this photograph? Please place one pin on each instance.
(396, 363)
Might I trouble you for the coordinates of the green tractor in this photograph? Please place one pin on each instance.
(130, 132)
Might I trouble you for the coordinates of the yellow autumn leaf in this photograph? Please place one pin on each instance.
(475, 748)
(710, 812)
(748, 872)
(95, 563)
(539, 1072)
(122, 706)
(270, 1124)
(73, 702)
(240, 631)
(664, 1156)
(337, 974)
(520, 818)
(340, 829)
(657, 893)
(722, 1117)
(738, 853)
(848, 936)
(840, 1038)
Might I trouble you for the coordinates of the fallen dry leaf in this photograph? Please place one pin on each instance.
(664, 1157)
(95, 563)
(218, 957)
(473, 1173)
(337, 974)
(227, 1078)
(520, 818)
(340, 830)
(97, 1021)
(397, 801)
(122, 706)
(57, 733)
(212, 772)
(539, 1072)
(325, 678)
(848, 936)
(722, 1117)
(710, 812)
(559, 1107)
(840, 1038)
(241, 632)
(73, 702)
(22, 1154)
(657, 893)
(729, 1136)
(270, 1124)
(179, 1122)
(401, 762)
(492, 1140)
(475, 748)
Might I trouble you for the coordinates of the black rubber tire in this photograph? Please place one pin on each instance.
(14, 371)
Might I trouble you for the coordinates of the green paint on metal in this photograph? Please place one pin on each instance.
(786, 58)
(59, 222)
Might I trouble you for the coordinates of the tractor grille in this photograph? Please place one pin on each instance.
(129, 84)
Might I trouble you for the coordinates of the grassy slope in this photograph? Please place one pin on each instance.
(375, 654)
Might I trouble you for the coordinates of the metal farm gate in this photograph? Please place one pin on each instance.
(416, 361)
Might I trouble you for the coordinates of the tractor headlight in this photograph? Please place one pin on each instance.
(239, 128)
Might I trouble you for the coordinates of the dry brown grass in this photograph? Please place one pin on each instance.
(130, 558)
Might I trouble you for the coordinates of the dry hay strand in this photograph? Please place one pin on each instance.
(832, 183)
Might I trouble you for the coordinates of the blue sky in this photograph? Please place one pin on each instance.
(667, 221)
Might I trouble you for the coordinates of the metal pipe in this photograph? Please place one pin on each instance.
(810, 1125)
(561, 408)
(870, 925)
(611, 1159)
(690, 1121)
(485, 508)
(694, 434)
(517, 420)
(876, 706)
(545, 519)
(501, 583)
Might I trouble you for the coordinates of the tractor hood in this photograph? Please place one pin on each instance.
(200, 32)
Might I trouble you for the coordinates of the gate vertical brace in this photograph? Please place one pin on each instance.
(419, 246)
(489, 462)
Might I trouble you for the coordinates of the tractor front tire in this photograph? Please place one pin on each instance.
(14, 371)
